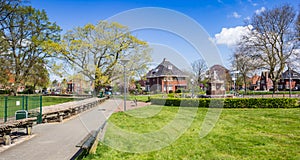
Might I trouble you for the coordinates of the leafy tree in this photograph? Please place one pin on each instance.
(7, 7)
(64, 85)
(38, 76)
(26, 33)
(272, 39)
(95, 50)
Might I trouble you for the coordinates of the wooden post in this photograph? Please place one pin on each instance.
(7, 139)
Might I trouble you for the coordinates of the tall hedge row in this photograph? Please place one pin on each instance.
(229, 102)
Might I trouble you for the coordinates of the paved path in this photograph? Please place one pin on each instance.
(55, 141)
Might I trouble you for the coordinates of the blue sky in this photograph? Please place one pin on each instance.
(223, 20)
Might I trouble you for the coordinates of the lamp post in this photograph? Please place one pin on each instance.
(234, 78)
(192, 82)
(124, 61)
(290, 80)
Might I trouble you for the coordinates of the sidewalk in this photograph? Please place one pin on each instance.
(58, 140)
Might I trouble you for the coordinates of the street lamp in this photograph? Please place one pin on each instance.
(234, 78)
(123, 62)
(290, 79)
(192, 81)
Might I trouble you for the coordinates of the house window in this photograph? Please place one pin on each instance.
(170, 87)
(181, 78)
(170, 67)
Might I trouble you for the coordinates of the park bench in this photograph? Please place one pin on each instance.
(89, 143)
(8, 127)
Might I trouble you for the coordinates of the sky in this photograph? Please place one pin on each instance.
(222, 20)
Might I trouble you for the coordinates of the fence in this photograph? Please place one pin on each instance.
(10, 104)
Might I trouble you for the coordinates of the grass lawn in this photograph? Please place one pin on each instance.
(48, 100)
(141, 98)
(238, 134)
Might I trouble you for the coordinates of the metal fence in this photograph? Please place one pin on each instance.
(10, 104)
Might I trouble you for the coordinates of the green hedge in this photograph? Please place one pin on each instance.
(267, 92)
(229, 102)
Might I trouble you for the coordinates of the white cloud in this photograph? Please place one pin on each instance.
(252, 3)
(231, 36)
(259, 11)
(236, 15)
(247, 18)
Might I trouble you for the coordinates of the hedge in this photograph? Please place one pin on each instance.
(229, 102)
(249, 92)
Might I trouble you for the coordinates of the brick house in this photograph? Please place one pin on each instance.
(264, 82)
(165, 77)
(285, 80)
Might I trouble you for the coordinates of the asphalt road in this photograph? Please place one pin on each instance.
(56, 141)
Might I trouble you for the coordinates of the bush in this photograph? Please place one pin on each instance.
(249, 92)
(4, 91)
(178, 91)
(228, 102)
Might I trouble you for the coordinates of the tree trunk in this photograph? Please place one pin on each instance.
(96, 91)
(245, 83)
(275, 86)
(13, 91)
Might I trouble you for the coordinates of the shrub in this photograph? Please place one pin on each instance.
(178, 91)
(229, 102)
(4, 91)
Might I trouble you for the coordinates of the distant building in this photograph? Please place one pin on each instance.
(78, 86)
(165, 77)
(287, 76)
(264, 83)
(218, 80)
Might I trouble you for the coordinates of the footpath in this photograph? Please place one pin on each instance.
(58, 140)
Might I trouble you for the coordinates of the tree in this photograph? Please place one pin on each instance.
(298, 26)
(26, 32)
(95, 50)
(64, 86)
(38, 76)
(245, 63)
(272, 39)
(7, 8)
(199, 67)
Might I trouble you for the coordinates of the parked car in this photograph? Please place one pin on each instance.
(203, 96)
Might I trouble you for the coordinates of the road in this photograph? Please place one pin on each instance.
(58, 140)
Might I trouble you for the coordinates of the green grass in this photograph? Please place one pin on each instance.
(238, 134)
(48, 100)
(141, 98)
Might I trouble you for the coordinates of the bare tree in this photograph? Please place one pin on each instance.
(273, 39)
(199, 67)
(245, 63)
(298, 25)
